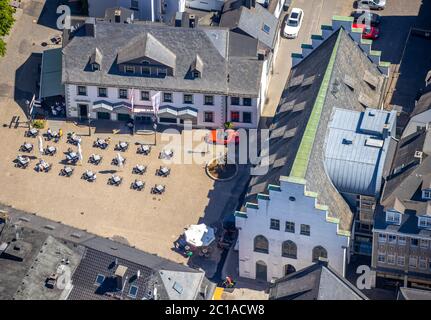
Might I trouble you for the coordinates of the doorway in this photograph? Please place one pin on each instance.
(288, 269)
(83, 111)
(261, 271)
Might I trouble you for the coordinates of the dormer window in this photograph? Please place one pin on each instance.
(129, 69)
(196, 74)
(426, 194)
(95, 66)
(96, 60)
(393, 217)
(145, 62)
(424, 222)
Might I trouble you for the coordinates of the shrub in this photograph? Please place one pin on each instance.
(228, 125)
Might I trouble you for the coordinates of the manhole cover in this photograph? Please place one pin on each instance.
(43, 44)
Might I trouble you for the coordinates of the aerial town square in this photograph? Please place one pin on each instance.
(215, 150)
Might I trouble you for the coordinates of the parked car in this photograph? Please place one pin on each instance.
(368, 32)
(293, 23)
(362, 16)
(223, 137)
(371, 4)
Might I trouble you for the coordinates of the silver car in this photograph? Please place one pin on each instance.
(371, 4)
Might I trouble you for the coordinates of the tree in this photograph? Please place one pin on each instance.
(2, 48)
(6, 17)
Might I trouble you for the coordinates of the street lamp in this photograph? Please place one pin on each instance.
(155, 133)
(89, 124)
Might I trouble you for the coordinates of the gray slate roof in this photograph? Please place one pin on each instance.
(211, 44)
(316, 282)
(424, 102)
(413, 294)
(251, 21)
(89, 256)
(294, 110)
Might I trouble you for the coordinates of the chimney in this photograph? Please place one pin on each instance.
(385, 131)
(192, 21)
(120, 276)
(90, 27)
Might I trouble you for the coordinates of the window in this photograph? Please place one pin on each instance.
(319, 252)
(246, 117)
(234, 101)
(133, 291)
(426, 194)
(414, 242)
(290, 226)
(208, 116)
(381, 257)
(391, 259)
(82, 91)
(382, 237)
(209, 100)
(413, 262)
(234, 116)
(196, 74)
(275, 224)
(422, 263)
(260, 244)
(122, 93)
(288, 249)
(162, 72)
(99, 279)
(146, 70)
(424, 222)
(134, 5)
(167, 97)
(246, 102)
(145, 95)
(424, 243)
(402, 241)
(188, 98)
(305, 229)
(130, 69)
(95, 66)
(393, 217)
(266, 28)
(401, 261)
(392, 239)
(102, 92)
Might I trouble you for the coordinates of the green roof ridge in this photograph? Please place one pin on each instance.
(300, 164)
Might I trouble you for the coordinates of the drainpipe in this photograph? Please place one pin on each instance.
(152, 11)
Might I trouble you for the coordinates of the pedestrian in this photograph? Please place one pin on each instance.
(60, 133)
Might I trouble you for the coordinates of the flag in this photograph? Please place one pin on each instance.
(40, 145)
(156, 102)
(132, 99)
(120, 160)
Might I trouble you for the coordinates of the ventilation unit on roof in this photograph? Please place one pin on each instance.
(418, 155)
(347, 141)
(371, 142)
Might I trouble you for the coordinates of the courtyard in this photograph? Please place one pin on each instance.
(145, 220)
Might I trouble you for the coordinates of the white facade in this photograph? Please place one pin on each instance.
(207, 5)
(220, 114)
(288, 203)
(149, 10)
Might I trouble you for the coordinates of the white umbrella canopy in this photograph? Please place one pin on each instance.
(199, 235)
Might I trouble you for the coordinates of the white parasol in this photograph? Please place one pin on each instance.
(199, 235)
(40, 145)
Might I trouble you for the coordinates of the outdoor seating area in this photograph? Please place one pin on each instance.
(95, 159)
(139, 169)
(22, 162)
(72, 156)
(32, 133)
(101, 143)
(52, 135)
(138, 185)
(43, 166)
(158, 189)
(197, 239)
(144, 149)
(121, 146)
(166, 154)
(115, 180)
(50, 151)
(163, 171)
(73, 138)
(26, 147)
(67, 171)
(89, 175)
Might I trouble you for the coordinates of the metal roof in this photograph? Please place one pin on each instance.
(50, 78)
(353, 158)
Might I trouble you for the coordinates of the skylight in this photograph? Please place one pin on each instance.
(133, 291)
(99, 279)
(266, 28)
(178, 288)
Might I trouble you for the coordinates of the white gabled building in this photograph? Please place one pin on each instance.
(288, 230)
(121, 71)
(293, 213)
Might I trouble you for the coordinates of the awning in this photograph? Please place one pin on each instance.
(143, 110)
(168, 111)
(199, 235)
(50, 76)
(106, 106)
(188, 113)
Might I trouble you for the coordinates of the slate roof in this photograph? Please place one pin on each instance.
(127, 41)
(355, 166)
(424, 102)
(413, 294)
(250, 21)
(406, 170)
(314, 88)
(316, 282)
(90, 256)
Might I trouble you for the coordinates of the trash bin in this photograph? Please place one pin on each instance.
(286, 5)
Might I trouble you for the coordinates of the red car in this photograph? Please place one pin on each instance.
(221, 136)
(368, 32)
